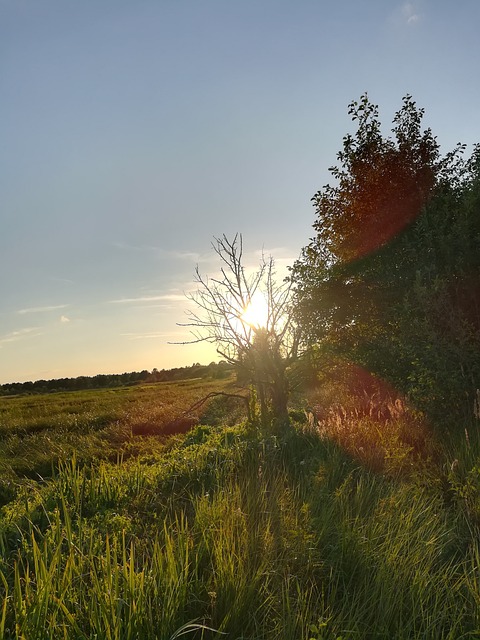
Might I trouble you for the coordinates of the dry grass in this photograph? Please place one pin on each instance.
(186, 406)
(371, 422)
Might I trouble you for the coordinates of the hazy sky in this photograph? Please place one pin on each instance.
(133, 131)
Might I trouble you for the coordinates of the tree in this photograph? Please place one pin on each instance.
(391, 278)
(250, 319)
(381, 185)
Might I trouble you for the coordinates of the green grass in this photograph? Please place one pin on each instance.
(225, 533)
(36, 432)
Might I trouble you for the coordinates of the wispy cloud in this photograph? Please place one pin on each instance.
(168, 297)
(64, 280)
(166, 254)
(13, 336)
(190, 256)
(152, 335)
(42, 309)
(410, 13)
(407, 15)
(64, 319)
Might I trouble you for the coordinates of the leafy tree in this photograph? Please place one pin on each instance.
(261, 348)
(390, 279)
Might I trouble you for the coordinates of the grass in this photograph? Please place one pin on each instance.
(227, 533)
(36, 432)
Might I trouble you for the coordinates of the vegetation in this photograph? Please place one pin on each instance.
(391, 279)
(37, 432)
(359, 519)
(110, 381)
(251, 536)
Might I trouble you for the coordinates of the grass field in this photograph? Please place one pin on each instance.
(38, 431)
(227, 533)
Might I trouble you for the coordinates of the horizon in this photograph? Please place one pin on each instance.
(112, 373)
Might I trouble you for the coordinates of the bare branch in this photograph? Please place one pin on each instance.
(263, 353)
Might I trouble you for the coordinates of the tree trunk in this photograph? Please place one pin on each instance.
(280, 403)
(262, 397)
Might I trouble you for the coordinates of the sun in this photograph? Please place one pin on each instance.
(255, 314)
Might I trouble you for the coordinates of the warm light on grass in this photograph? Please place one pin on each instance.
(256, 312)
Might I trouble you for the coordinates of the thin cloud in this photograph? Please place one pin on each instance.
(65, 280)
(410, 14)
(14, 336)
(167, 254)
(42, 309)
(190, 256)
(64, 319)
(407, 15)
(167, 297)
(153, 335)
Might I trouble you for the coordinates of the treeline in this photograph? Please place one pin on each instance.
(102, 381)
(391, 280)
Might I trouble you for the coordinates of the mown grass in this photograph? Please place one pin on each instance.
(227, 533)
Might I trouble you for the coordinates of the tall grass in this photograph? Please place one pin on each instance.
(36, 432)
(253, 537)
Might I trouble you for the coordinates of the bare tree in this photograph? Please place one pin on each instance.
(228, 314)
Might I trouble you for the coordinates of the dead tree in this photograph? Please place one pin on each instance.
(227, 314)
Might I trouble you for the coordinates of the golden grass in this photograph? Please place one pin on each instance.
(371, 422)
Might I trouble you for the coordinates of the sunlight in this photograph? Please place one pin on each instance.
(256, 312)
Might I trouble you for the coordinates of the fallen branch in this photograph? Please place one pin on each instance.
(212, 394)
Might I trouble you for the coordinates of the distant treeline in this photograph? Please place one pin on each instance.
(102, 381)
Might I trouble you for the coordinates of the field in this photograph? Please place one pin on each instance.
(36, 431)
(357, 527)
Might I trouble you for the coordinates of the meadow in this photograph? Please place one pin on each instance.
(361, 524)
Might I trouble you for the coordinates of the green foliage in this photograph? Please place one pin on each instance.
(392, 278)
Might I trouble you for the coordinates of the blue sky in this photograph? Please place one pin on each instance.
(132, 132)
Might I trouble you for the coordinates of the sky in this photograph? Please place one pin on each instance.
(133, 132)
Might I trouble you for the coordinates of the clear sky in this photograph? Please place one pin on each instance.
(133, 131)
